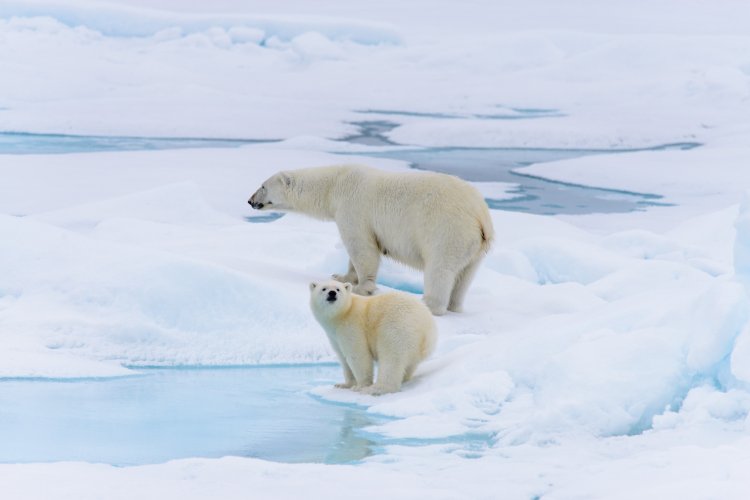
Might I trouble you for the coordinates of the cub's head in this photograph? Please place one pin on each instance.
(272, 194)
(330, 298)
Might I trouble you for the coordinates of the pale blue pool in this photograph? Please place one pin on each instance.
(164, 414)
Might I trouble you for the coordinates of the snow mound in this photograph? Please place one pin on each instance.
(106, 301)
(125, 21)
(180, 203)
(600, 336)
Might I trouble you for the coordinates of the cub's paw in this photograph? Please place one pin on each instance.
(377, 390)
(344, 385)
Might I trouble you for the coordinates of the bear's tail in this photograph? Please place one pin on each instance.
(486, 230)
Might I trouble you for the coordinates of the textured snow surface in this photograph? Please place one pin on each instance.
(599, 356)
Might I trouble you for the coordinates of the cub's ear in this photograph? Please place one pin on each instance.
(312, 286)
(286, 179)
(348, 287)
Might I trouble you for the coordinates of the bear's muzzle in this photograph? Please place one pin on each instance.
(256, 205)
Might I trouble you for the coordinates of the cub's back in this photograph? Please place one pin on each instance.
(396, 311)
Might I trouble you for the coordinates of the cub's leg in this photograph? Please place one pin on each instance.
(391, 371)
(362, 368)
(349, 380)
(409, 371)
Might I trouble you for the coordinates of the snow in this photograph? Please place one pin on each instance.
(207, 74)
(600, 355)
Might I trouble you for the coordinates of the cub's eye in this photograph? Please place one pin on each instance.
(324, 289)
(338, 290)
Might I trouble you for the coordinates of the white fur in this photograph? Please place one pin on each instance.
(393, 329)
(433, 222)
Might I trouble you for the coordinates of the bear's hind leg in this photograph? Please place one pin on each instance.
(463, 280)
(438, 284)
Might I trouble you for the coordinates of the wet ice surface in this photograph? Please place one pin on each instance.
(267, 217)
(534, 194)
(28, 143)
(165, 414)
(503, 113)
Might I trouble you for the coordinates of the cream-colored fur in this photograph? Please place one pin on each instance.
(393, 329)
(433, 222)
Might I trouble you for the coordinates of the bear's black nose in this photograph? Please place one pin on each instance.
(331, 296)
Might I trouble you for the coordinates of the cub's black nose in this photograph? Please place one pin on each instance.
(331, 296)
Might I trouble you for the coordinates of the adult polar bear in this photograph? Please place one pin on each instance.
(433, 222)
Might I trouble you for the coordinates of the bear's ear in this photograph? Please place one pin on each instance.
(348, 287)
(286, 179)
(312, 286)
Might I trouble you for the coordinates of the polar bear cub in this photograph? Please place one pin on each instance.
(429, 221)
(393, 329)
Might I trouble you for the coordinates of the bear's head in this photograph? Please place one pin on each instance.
(272, 194)
(330, 298)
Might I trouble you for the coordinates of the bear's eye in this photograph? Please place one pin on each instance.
(338, 290)
(324, 289)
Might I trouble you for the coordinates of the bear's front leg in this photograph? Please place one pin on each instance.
(349, 277)
(367, 288)
(366, 262)
(364, 256)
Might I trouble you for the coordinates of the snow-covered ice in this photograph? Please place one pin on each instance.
(600, 355)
